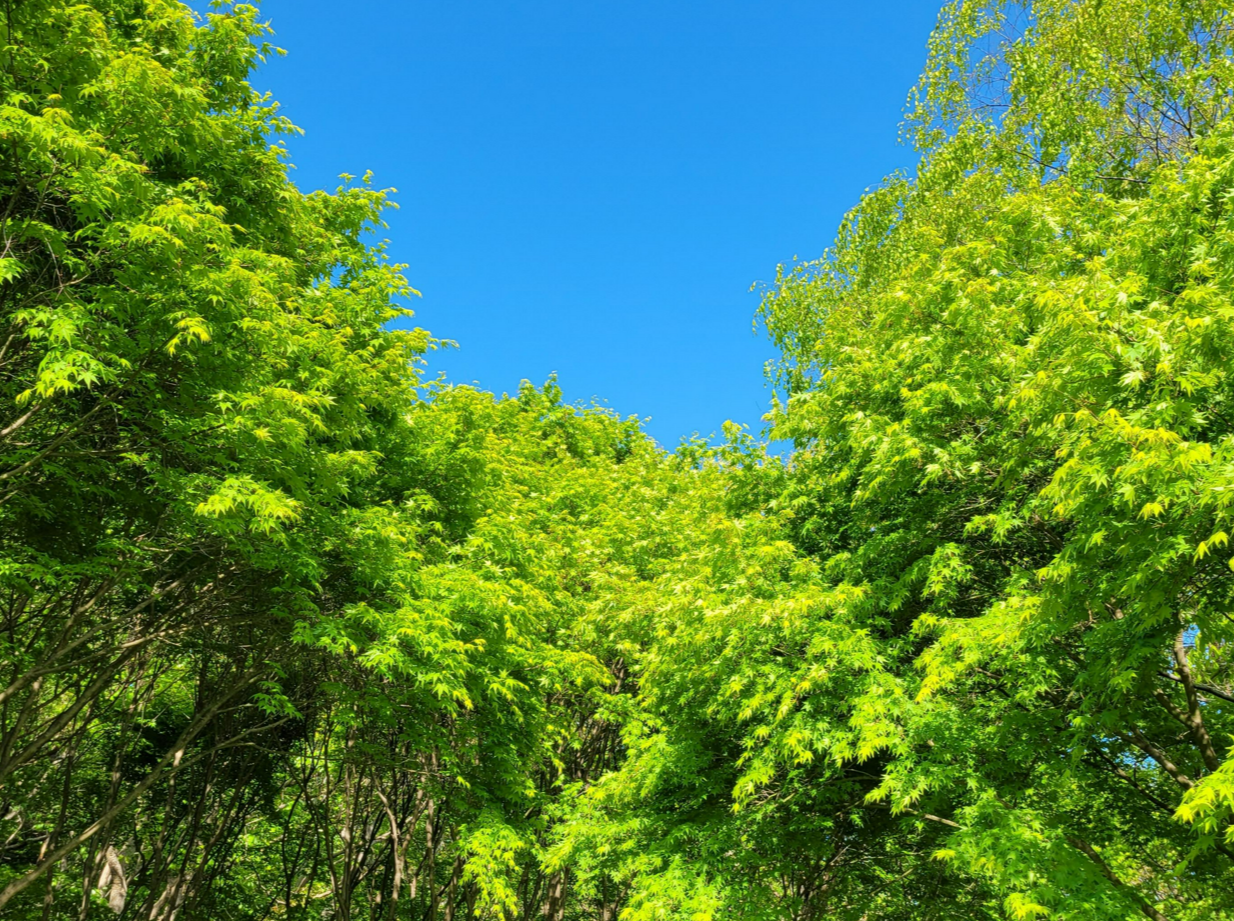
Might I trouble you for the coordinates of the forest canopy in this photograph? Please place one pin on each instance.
(291, 629)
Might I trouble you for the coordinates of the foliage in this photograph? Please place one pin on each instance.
(288, 631)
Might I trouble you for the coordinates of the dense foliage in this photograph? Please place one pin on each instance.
(289, 630)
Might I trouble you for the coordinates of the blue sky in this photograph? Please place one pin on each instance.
(592, 187)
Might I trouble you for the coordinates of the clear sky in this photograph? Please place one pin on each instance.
(592, 187)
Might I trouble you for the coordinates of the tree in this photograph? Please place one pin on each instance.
(286, 631)
(1009, 380)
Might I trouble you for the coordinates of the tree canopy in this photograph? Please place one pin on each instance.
(291, 629)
